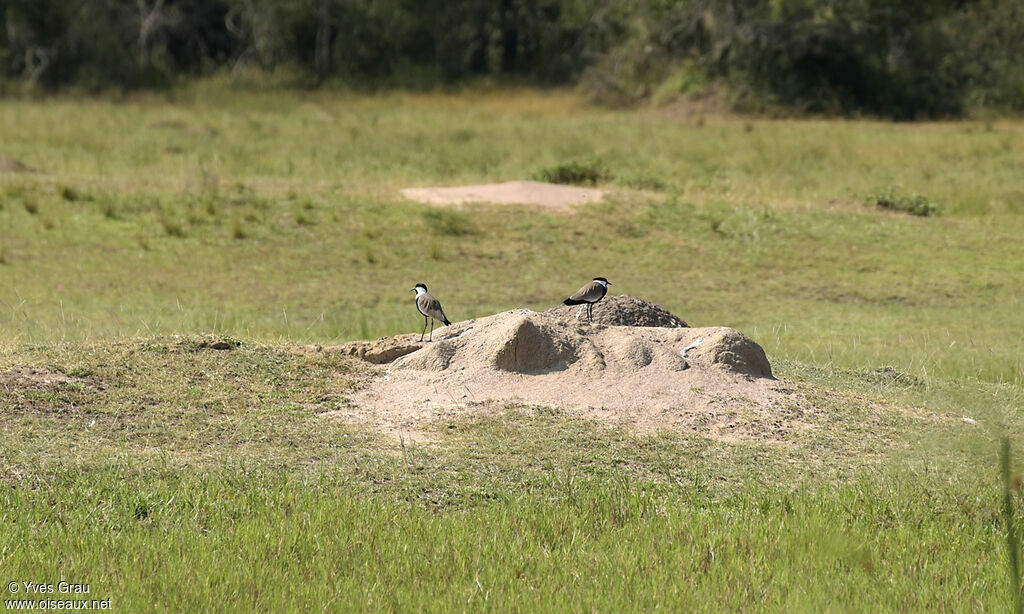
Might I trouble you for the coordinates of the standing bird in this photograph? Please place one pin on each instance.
(430, 308)
(589, 294)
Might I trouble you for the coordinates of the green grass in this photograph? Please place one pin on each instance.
(290, 204)
(835, 285)
(600, 543)
(222, 457)
(171, 474)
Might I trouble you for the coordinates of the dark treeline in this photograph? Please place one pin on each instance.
(894, 58)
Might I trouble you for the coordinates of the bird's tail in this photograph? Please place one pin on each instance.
(570, 301)
(446, 322)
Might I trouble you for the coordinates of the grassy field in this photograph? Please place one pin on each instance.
(172, 476)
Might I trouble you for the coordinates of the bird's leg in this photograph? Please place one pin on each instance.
(424, 328)
(590, 311)
(431, 338)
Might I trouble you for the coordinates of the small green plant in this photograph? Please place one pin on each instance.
(588, 172)
(915, 204)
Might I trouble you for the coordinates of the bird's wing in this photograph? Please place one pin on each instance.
(430, 306)
(590, 293)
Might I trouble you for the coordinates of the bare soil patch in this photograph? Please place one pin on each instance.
(33, 378)
(509, 193)
(26, 389)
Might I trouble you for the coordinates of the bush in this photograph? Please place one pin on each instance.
(903, 60)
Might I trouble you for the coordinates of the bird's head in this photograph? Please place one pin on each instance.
(604, 282)
(418, 289)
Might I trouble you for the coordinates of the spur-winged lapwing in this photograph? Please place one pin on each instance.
(430, 308)
(589, 294)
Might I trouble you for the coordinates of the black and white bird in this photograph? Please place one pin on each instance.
(430, 308)
(589, 294)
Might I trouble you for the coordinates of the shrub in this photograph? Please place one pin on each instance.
(915, 204)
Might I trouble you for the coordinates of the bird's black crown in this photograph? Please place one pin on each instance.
(600, 279)
(421, 285)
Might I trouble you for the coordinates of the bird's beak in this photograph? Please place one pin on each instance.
(609, 283)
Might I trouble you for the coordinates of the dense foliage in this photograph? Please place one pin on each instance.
(919, 58)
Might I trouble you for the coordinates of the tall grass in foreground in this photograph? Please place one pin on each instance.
(170, 474)
(252, 538)
(1012, 542)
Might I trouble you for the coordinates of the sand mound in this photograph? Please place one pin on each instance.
(510, 193)
(645, 375)
(527, 342)
(623, 310)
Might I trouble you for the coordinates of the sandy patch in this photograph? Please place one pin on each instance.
(509, 193)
